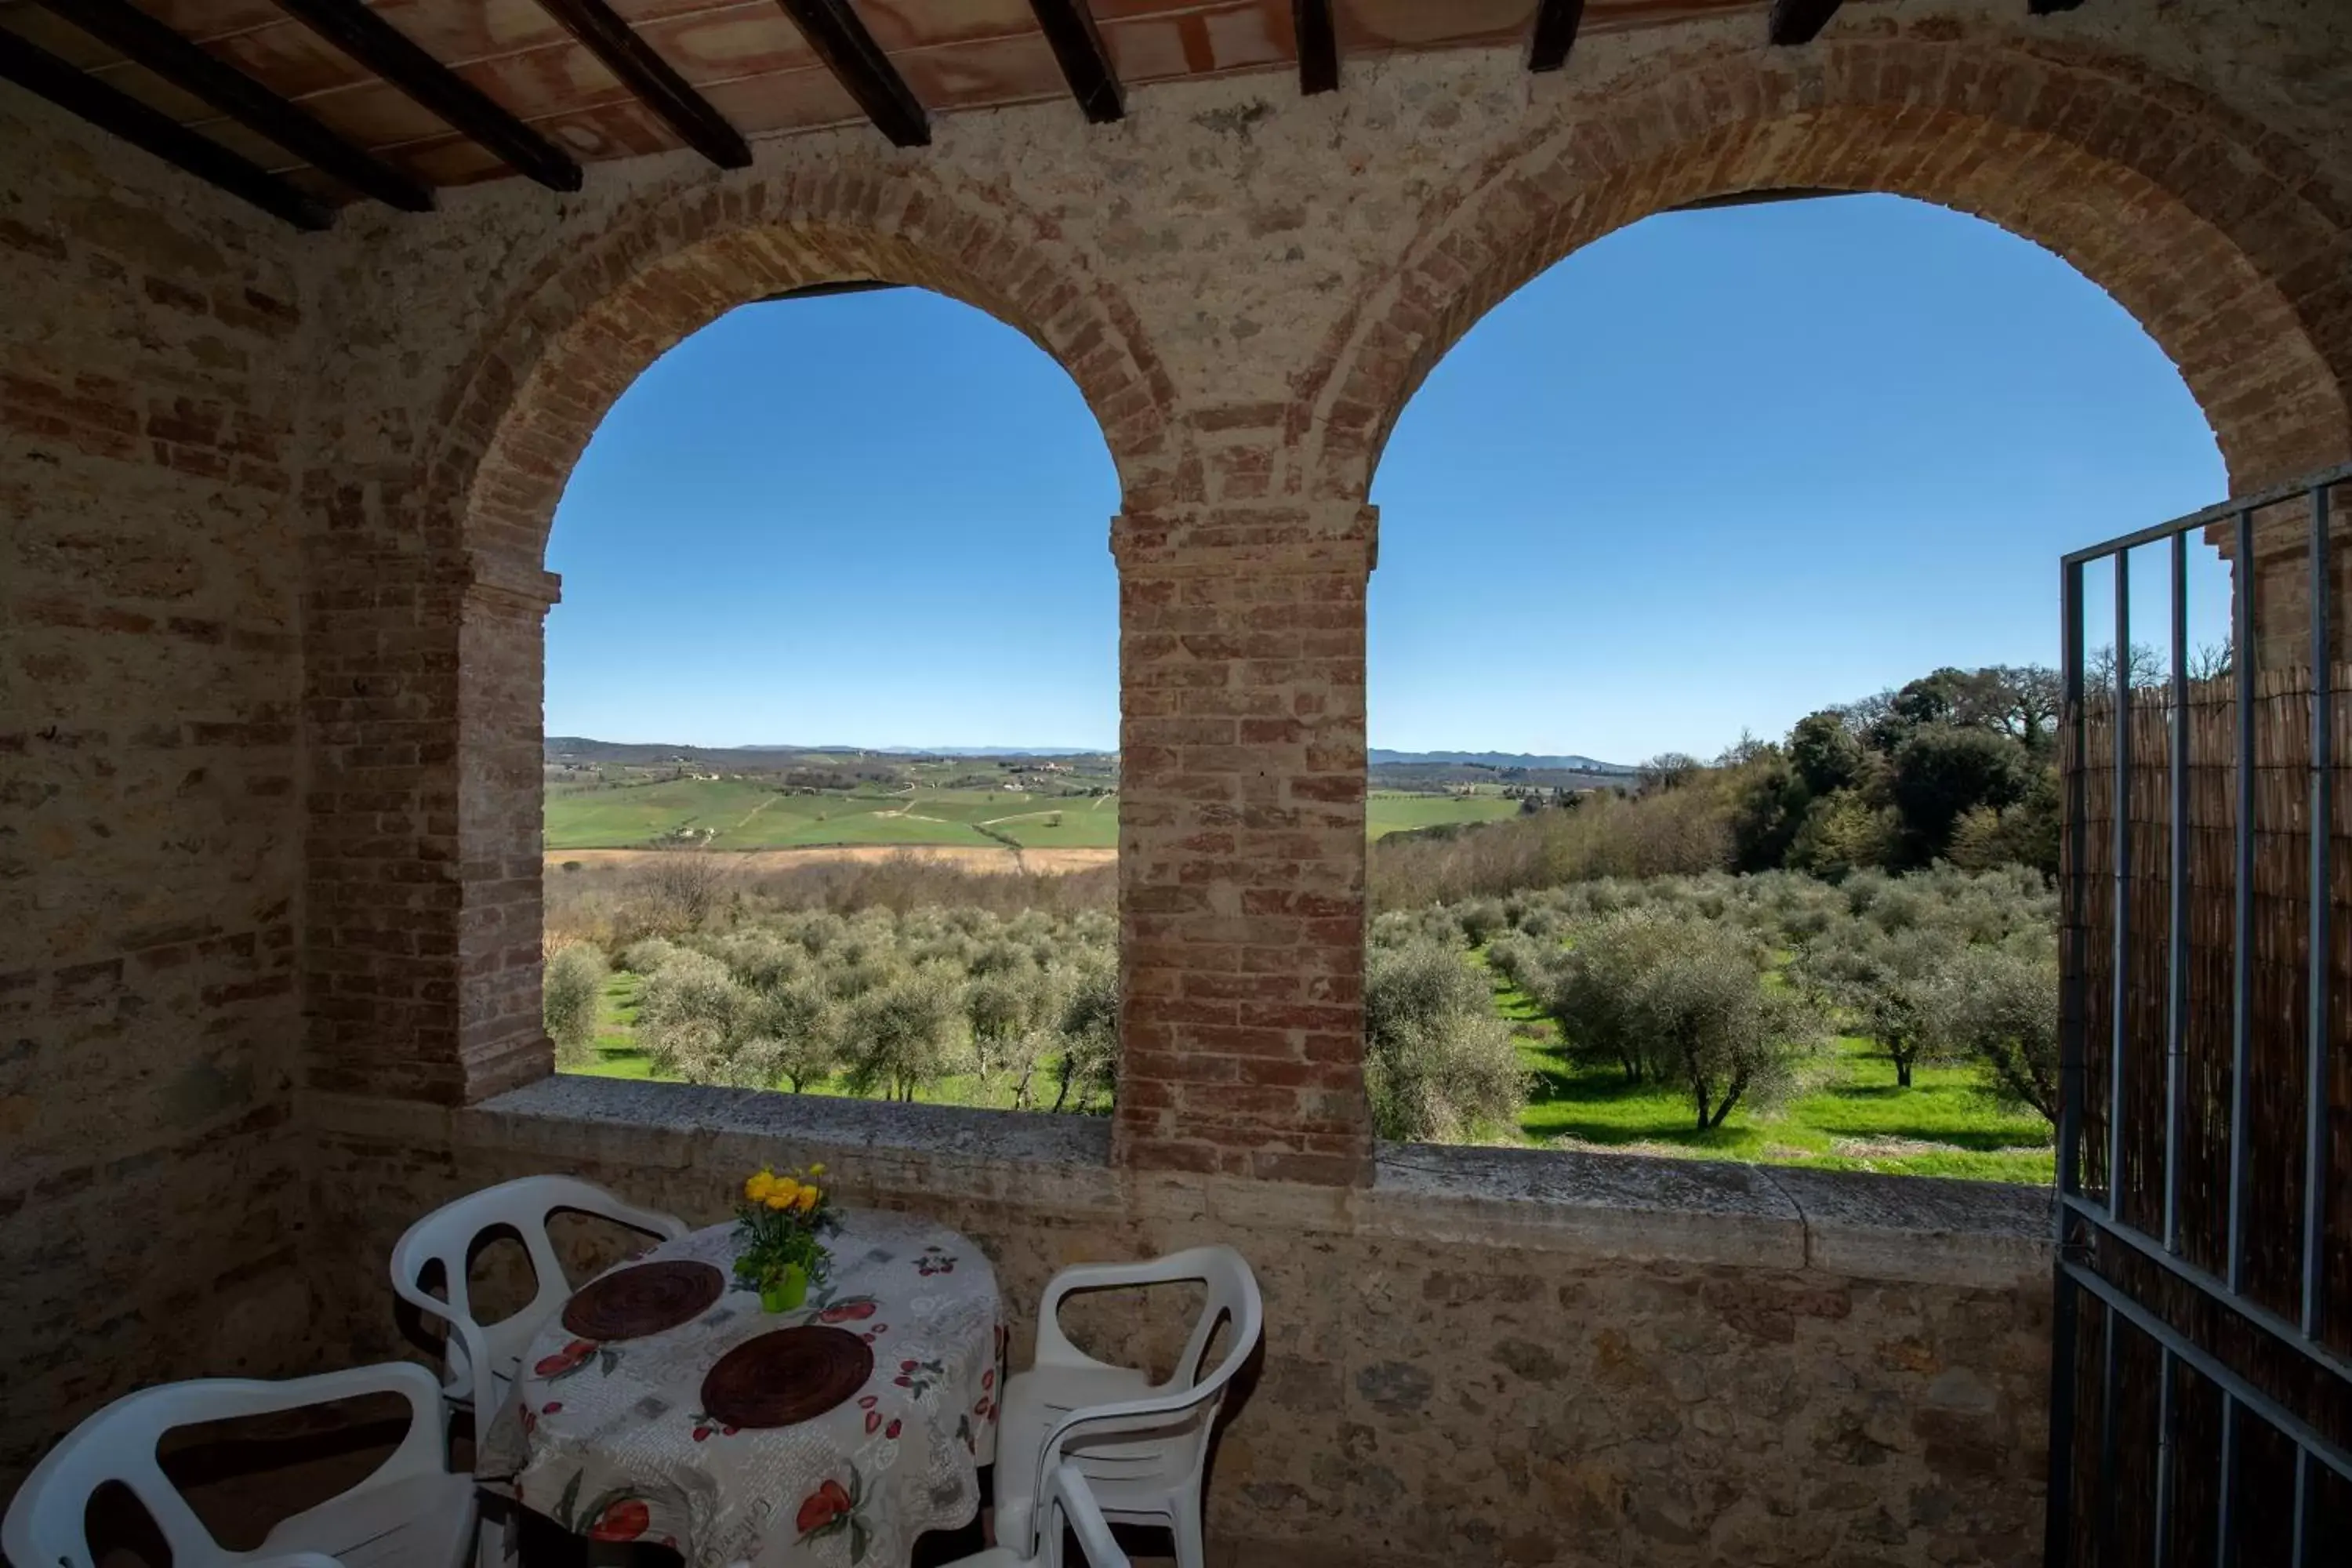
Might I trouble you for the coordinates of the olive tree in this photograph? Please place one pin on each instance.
(1999, 1007)
(903, 1034)
(1714, 1026)
(691, 1016)
(1437, 1062)
(569, 992)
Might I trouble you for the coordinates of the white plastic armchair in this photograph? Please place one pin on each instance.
(411, 1513)
(1063, 1499)
(447, 1236)
(1143, 1446)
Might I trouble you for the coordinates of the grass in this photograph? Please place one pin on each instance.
(741, 814)
(745, 813)
(1850, 1116)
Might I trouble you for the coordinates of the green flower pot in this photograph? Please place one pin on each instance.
(782, 1294)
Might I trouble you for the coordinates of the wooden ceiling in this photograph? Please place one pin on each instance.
(303, 105)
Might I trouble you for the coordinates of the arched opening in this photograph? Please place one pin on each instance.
(1766, 692)
(832, 781)
(446, 950)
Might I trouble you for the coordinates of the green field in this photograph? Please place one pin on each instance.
(1392, 811)
(1850, 1116)
(745, 813)
(748, 813)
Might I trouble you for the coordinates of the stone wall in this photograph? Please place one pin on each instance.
(150, 777)
(1485, 1357)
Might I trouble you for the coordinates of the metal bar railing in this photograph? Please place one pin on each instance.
(2318, 958)
(2119, 853)
(2057, 1544)
(2084, 1220)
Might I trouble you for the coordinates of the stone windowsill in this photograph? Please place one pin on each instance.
(1606, 1205)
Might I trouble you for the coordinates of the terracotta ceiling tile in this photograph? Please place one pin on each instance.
(1245, 37)
(785, 100)
(915, 24)
(290, 60)
(1365, 26)
(983, 73)
(723, 45)
(542, 81)
(471, 29)
(1151, 49)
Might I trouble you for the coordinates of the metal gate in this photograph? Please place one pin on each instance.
(2202, 1368)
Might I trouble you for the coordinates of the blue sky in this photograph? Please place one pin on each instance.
(1705, 475)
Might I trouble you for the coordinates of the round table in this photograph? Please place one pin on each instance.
(610, 1439)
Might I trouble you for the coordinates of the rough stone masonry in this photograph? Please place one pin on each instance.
(270, 669)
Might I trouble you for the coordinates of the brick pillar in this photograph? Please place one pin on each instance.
(501, 683)
(423, 674)
(2282, 579)
(1241, 840)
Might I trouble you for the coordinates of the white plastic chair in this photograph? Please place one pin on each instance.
(447, 1236)
(1143, 1446)
(1065, 1499)
(411, 1513)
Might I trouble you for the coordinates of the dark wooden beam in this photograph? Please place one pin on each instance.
(857, 62)
(77, 93)
(142, 38)
(1556, 25)
(1069, 26)
(648, 76)
(385, 49)
(1319, 45)
(1797, 21)
(2050, 8)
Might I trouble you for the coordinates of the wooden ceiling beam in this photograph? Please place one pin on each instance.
(1069, 27)
(142, 39)
(385, 49)
(2050, 8)
(1795, 22)
(637, 66)
(1556, 25)
(857, 62)
(77, 93)
(1319, 45)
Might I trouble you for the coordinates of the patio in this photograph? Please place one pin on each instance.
(278, 472)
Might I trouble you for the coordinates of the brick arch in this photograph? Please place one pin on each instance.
(589, 325)
(2229, 252)
(540, 379)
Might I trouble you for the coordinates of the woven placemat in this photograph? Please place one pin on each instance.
(631, 1303)
(786, 1377)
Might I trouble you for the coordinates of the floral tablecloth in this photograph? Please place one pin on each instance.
(611, 1440)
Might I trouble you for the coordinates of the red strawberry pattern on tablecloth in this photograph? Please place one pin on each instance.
(574, 1358)
(834, 1508)
(935, 1260)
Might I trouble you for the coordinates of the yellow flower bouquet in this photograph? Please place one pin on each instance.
(779, 1220)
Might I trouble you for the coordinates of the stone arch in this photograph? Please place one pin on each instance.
(2224, 244)
(540, 378)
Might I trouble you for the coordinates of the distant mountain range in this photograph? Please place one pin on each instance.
(1574, 764)
(581, 748)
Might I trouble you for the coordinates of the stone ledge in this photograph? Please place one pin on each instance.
(1623, 1206)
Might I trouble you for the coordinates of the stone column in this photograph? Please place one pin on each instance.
(1241, 840)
